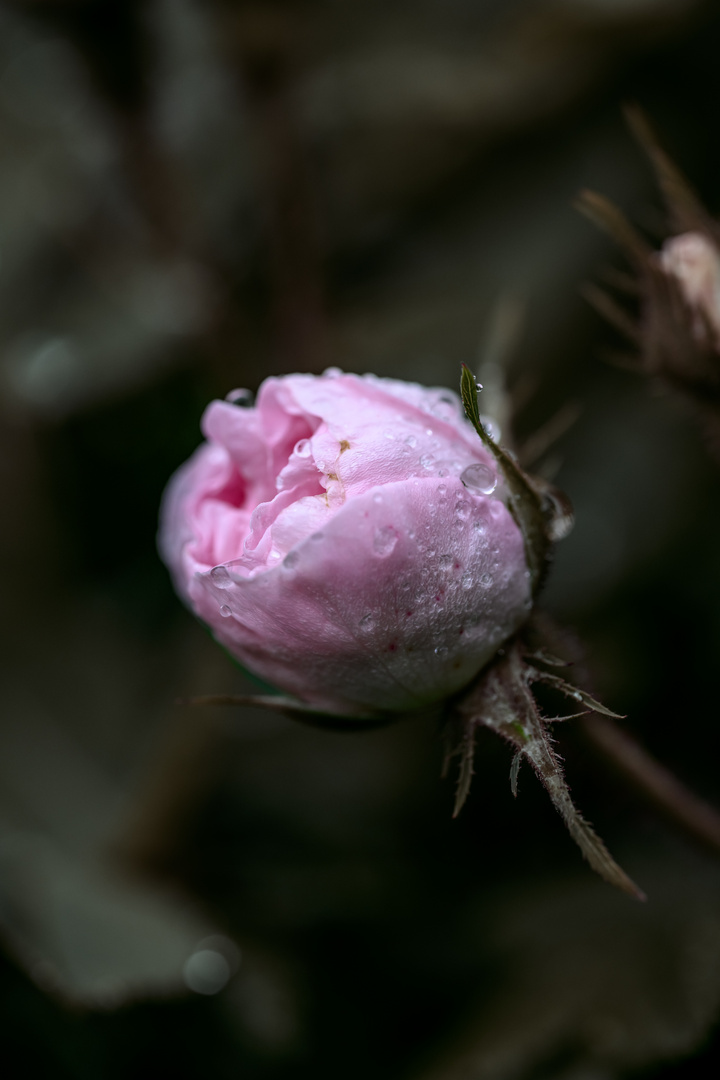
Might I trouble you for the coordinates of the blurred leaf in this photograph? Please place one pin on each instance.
(87, 935)
(590, 985)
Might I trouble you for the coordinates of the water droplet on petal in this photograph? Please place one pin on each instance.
(462, 509)
(377, 498)
(480, 478)
(384, 541)
(242, 397)
(442, 490)
(291, 560)
(480, 527)
(225, 611)
(445, 562)
(303, 448)
(440, 650)
(411, 441)
(220, 577)
(427, 461)
(333, 372)
(486, 580)
(367, 622)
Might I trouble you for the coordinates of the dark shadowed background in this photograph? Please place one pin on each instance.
(195, 195)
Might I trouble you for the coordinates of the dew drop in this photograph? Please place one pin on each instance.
(367, 622)
(377, 498)
(303, 448)
(225, 611)
(242, 397)
(220, 577)
(440, 650)
(462, 509)
(559, 515)
(206, 972)
(480, 527)
(445, 562)
(411, 441)
(491, 427)
(444, 406)
(480, 478)
(442, 490)
(384, 541)
(333, 372)
(291, 560)
(486, 580)
(467, 580)
(427, 461)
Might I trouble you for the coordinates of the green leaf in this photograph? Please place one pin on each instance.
(469, 395)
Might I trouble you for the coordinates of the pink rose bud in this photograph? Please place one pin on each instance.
(347, 540)
(694, 261)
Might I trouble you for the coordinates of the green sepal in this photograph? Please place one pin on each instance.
(296, 710)
(533, 504)
(502, 701)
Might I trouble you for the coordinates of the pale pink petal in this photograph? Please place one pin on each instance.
(397, 601)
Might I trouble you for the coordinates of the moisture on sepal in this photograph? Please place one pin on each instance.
(542, 513)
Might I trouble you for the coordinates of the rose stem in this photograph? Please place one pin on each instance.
(662, 788)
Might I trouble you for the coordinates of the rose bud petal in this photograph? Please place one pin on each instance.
(346, 539)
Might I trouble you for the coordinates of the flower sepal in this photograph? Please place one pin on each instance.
(502, 700)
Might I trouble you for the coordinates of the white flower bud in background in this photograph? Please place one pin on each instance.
(694, 262)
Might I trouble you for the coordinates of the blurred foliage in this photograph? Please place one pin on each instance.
(193, 196)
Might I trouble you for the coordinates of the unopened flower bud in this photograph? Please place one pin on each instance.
(694, 263)
(346, 539)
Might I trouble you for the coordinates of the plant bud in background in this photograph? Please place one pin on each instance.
(694, 263)
(673, 321)
(347, 539)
